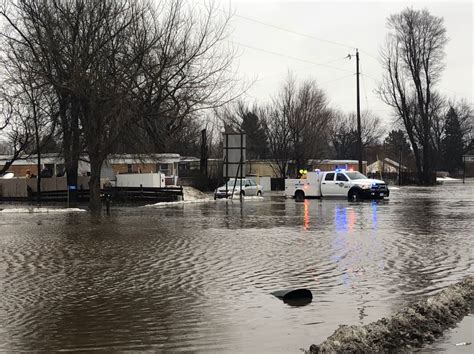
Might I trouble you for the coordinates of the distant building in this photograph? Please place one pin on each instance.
(27, 166)
(385, 166)
(115, 164)
(329, 165)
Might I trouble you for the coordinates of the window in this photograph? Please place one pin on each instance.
(341, 177)
(356, 175)
(329, 177)
(164, 168)
(60, 170)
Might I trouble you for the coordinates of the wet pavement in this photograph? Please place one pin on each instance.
(199, 277)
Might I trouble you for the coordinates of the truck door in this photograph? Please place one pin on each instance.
(343, 183)
(328, 184)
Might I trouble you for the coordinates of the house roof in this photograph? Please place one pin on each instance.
(385, 161)
(143, 158)
(113, 159)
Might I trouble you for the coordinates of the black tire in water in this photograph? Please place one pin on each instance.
(299, 196)
(353, 195)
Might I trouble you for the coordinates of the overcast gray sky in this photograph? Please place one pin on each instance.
(352, 24)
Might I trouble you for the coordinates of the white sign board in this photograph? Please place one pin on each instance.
(234, 155)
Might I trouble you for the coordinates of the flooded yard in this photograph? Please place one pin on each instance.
(198, 277)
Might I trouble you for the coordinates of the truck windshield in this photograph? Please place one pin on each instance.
(355, 175)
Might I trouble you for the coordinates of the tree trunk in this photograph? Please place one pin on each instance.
(70, 144)
(95, 204)
(427, 165)
(38, 161)
(38, 178)
(418, 164)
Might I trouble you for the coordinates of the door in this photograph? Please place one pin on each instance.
(252, 188)
(343, 183)
(328, 185)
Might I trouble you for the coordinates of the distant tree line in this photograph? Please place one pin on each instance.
(106, 76)
(298, 126)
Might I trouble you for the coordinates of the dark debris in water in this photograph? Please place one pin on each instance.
(294, 297)
(412, 326)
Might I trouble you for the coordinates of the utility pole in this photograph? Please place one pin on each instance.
(359, 130)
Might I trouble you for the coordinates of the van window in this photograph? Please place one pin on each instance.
(341, 177)
(329, 176)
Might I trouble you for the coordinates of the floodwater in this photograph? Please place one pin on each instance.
(198, 277)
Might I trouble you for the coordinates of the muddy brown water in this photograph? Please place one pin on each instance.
(198, 277)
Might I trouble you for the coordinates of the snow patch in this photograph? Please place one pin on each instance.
(191, 193)
(40, 210)
(246, 197)
(191, 196)
(447, 179)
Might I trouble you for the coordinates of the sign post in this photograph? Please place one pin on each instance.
(70, 188)
(234, 158)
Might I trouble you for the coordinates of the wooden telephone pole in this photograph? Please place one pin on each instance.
(359, 130)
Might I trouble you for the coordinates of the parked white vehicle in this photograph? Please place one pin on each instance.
(340, 183)
(232, 188)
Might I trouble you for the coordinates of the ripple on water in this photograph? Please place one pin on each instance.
(198, 277)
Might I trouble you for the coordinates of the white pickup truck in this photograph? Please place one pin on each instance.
(338, 183)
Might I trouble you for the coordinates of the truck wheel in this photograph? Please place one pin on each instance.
(353, 196)
(299, 196)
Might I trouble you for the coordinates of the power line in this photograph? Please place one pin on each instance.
(370, 55)
(294, 32)
(370, 77)
(337, 79)
(291, 57)
(284, 29)
(300, 68)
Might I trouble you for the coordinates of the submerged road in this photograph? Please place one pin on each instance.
(199, 277)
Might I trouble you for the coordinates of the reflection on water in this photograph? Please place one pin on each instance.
(199, 277)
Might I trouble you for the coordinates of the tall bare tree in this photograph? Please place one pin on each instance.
(413, 61)
(186, 71)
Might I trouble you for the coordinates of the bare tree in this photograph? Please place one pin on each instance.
(121, 68)
(15, 131)
(297, 124)
(413, 61)
(344, 137)
(279, 138)
(188, 70)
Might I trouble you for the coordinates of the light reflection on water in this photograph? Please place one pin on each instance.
(198, 277)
